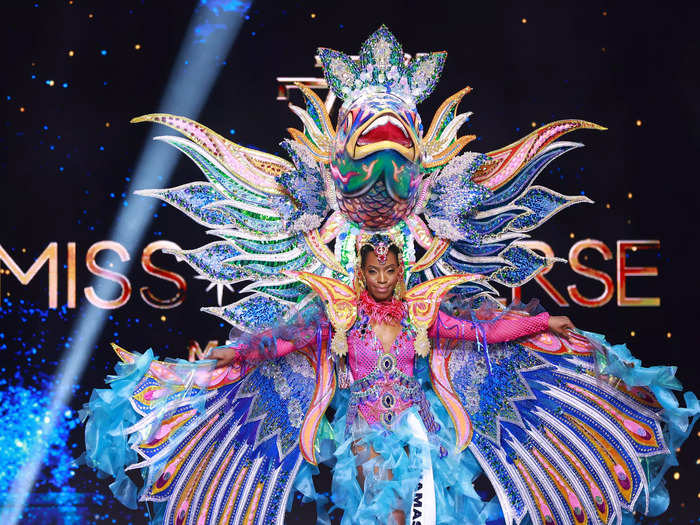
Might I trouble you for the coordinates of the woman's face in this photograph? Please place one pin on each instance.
(381, 279)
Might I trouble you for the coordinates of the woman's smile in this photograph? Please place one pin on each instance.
(380, 279)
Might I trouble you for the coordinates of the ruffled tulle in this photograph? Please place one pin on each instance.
(109, 413)
(456, 501)
(678, 422)
(113, 427)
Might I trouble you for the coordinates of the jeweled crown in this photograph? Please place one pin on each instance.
(382, 68)
(379, 242)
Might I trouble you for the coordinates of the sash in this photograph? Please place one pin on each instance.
(423, 505)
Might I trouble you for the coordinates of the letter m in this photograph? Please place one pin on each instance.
(50, 254)
(418, 499)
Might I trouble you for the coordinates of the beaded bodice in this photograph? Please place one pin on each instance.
(383, 385)
(366, 350)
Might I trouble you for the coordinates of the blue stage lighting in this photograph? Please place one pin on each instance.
(186, 93)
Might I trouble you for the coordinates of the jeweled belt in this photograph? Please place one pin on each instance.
(368, 389)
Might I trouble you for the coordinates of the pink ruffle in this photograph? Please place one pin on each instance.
(386, 312)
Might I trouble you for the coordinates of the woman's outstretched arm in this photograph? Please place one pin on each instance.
(499, 330)
(260, 348)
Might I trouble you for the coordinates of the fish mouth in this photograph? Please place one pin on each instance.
(386, 130)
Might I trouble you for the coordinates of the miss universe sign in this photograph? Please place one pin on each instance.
(614, 285)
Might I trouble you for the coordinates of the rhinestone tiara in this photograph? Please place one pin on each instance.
(382, 69)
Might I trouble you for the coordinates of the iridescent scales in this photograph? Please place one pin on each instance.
(237, 456)
(574, 452)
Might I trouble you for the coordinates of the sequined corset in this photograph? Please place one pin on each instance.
(384, 385)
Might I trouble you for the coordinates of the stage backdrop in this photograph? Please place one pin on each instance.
(76, 72)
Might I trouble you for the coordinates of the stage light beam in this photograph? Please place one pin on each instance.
(196, 68)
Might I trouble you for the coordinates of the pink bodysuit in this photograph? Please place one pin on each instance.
(384, 385)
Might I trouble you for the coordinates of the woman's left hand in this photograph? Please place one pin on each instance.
(224, 355)
(561, 325)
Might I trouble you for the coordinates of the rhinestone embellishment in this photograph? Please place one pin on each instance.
(387, 363)
(388, 418)
(388, 400)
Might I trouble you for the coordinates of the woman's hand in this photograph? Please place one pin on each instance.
(196, 353)
(561, 325)
(225, 355)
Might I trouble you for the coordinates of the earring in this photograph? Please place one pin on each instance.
(400, 288)
(358, 282)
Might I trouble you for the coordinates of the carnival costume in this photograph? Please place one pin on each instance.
(567, 431)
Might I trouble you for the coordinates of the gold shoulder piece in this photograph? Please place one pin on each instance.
(424, 300)
(341, 306)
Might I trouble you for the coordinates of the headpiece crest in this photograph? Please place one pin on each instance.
(380, 244)
(382, 67)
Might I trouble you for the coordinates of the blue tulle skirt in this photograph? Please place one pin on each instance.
(391, 477)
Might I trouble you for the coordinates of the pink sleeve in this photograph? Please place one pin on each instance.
(496, 331)
(258, 352)
(284, 347)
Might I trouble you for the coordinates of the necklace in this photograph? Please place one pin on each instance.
(387, 312)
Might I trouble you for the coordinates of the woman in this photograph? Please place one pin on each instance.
(392, 439)
(379, 420)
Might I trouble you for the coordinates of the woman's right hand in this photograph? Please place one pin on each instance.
(225, 355)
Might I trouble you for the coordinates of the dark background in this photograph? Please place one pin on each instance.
(65, 173)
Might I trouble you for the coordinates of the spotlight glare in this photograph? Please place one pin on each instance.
(153, 169)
